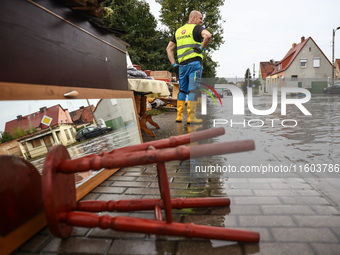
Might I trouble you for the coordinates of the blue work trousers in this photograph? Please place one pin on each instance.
(189, 80)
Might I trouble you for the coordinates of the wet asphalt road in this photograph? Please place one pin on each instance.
(307, 146)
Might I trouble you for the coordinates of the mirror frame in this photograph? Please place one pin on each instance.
(22, 91)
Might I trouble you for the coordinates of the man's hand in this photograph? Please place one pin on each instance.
(174, 65)
(199, 50)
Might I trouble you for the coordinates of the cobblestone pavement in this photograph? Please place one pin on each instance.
(291, 216)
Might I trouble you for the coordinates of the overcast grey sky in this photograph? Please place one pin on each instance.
(257, 31)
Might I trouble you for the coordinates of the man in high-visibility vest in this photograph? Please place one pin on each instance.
(191, 41)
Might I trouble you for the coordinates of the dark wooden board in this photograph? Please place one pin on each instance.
(37, 47)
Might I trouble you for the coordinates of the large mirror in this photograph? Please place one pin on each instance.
(85, 126)
(29, 128)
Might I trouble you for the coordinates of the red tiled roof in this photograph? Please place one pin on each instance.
(57, 113)
(266, 68)
(292, 54)
(82, 115)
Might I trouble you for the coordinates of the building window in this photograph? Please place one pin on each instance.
(303, 63)
(67, 135)
(294, 77)
(72, 132)
(310, 49)
(316, 62)
(36, 143)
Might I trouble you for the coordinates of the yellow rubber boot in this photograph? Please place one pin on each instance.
(180, 110)
(191, 108)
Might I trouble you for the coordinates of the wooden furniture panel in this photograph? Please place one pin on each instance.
(45, 42)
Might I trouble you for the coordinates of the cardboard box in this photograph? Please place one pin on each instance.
(161, 75)
(175, 90)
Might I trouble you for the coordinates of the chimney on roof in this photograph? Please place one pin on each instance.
(19, 117)
(43, 109)
(302, 39)
(294, 45)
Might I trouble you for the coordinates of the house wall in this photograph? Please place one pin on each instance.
(262, 83)
(10, 148)
(263, 88)
(127, 110)
(63, 139)
(112, 112)
(37, 151)
(107, 110)
(309, 74)
(275, 81)
(64, 116)
(43, 148)
(337, 71)
(13, 148)
(306, 76)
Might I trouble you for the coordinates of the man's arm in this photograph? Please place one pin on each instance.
(206, 38)
(170, 51)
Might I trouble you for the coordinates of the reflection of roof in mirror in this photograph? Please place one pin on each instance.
(34, 120)
(31, 108)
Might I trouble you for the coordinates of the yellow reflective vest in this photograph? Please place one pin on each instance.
(186, 43)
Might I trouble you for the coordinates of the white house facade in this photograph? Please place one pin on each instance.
(304, 66)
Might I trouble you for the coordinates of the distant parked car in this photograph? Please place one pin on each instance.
(89, 132)
(333, 89)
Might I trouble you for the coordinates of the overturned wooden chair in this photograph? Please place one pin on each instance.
(63, 212)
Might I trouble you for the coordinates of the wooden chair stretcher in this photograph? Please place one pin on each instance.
(63, 212)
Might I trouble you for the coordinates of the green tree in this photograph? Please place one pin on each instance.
(6, 137)
(175, 13)
(31, 130)
(209, 67)
(247, 81)
(137, 26)
(134, 23)
(18, 132)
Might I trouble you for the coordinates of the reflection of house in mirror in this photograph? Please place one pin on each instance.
(82, 116)
(41, 137)
(113, 114)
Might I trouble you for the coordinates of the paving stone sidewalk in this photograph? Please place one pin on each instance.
(290, 215)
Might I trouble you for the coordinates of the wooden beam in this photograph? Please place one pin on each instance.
(24, 91)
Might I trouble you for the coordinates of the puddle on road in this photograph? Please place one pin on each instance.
(309, 150)
(314, 140)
